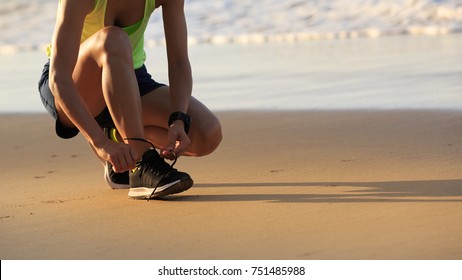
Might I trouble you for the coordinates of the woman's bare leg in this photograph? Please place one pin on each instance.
(104, 76)
(205, 131)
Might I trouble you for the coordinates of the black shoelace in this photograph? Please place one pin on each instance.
(165, 173)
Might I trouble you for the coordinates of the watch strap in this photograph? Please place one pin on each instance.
(178, 115)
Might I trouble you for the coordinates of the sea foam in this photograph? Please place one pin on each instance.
(28, 24)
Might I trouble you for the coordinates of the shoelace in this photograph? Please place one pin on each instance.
(165, 173)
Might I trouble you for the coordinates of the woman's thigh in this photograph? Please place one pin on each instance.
(87, 73)
(205, 127)
(157, 109)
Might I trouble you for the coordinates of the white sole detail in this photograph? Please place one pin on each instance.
(143, 192)
(111, 184)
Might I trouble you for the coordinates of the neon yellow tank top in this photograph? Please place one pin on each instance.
(95, 22)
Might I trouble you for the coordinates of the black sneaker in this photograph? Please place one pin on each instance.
(116, 180)
(113, 179)
(154, 178)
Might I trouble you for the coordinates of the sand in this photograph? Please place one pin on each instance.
(283, 185)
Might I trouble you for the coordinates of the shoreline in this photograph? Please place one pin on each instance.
(253, 40)
(384, 73)
(350, 184)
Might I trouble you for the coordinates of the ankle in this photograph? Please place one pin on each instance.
(140, 145)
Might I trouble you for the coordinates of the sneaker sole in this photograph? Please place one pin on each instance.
(177, 186)
(111, 184)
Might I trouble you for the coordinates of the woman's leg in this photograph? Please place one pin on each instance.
(104, 77)
(205, 131)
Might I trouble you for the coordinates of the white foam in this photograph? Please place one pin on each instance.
(8, 49)
(29, 24)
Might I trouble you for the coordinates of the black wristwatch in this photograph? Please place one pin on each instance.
(180, 116)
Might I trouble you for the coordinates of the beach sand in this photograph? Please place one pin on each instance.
(283, 185)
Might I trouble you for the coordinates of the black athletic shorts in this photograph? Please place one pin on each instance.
(145, 84)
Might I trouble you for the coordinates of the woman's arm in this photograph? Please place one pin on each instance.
(64, 54)
(179, 69)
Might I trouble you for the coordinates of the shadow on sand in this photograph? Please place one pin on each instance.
(392, 191)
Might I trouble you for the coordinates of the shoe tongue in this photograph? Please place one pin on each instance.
(152, 158)
(152, 161)
(150, 155)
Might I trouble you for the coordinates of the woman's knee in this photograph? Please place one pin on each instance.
(114, 44)
(210, 135)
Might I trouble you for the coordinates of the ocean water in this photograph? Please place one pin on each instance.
(28, 24)
(278, 55)
(394, 72)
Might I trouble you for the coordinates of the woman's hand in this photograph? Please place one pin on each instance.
(178, 141)
(122, 156)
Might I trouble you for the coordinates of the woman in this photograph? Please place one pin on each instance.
(95, 82)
